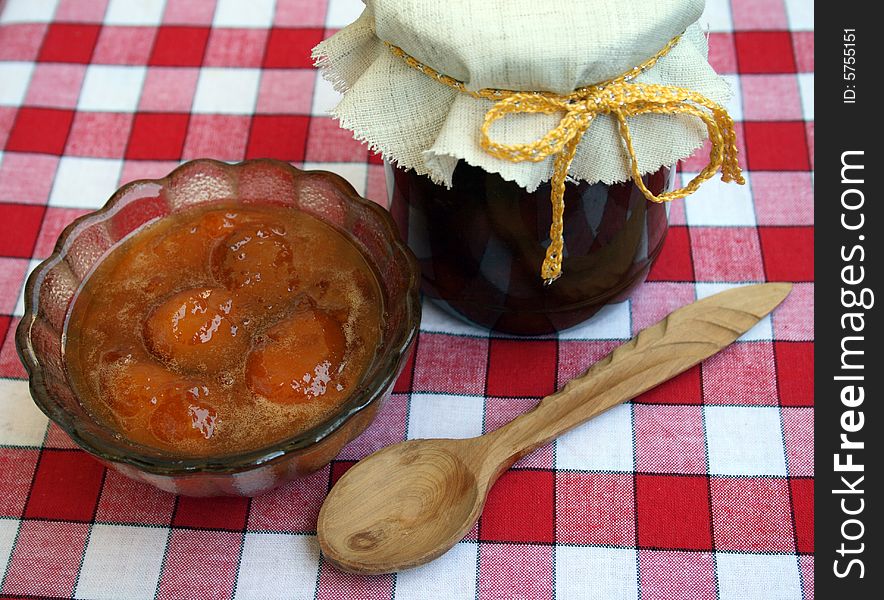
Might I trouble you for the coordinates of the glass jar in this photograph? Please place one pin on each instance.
(480, 245)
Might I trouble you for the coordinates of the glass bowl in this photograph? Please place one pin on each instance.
(52, 287)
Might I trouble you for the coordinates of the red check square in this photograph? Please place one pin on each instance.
(69, 42)
(505, 518)
(40, 130)
(449, 364)
(82, 11)
(120, 45)
(515, 571)
(673, 512)
(776, 146)
(595, 508)
(21, 41)
(290, 48)
(575, 357)
(157, 136)
(288, 91)
(798, 437)
(211, 513)
(19, 226)
(652, 301)
(7, 118)
(10, 364)
(292, 507)
(726, 254)
(752, 514)
(795, 373)
(788, 253)
(742, 373)
(16, 470)
(75, 472)
(55, 85)
(327, 141)
(722, 52)
(179, 46)
(673, 575)
(764, 52)
(222, 137)
(54, 221)
(12, 277)
(521, 367)
(189, 12)
(27, 178)
(125, 500)
(674, 261)
(200, 564)
(802, 506)
(669, 439)
(168, 89)
(682, 389)
(802, 42)
(99, 134)
(758, 14)
(46, 559)
(403, 383)
(387, 428)
(770, 97)
(235, 47)
(278, 136)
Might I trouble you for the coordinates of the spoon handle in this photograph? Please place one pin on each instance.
(660, 352)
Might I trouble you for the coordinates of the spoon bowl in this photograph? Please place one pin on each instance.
(410, 502)
(428, 494)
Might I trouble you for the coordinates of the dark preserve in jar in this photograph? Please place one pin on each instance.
(481, 243)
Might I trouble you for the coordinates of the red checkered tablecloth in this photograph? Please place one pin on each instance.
(702, 488)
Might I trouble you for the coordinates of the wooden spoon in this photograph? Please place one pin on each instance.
(408, 503)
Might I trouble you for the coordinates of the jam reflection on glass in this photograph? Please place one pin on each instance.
(481, 243)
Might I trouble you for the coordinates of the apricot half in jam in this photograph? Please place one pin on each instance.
(299, 361)
(130, 386)
(256, 261)
(194, 328)
(184, 414)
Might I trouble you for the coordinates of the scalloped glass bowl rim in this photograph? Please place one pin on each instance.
(117, 449)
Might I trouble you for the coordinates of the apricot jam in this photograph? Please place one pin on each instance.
(223, 329)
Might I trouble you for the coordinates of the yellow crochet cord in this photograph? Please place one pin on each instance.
(619, 97)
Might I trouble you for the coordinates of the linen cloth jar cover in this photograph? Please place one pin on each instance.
(600, 91)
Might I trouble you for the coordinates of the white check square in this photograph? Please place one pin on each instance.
(602, 444)
(452, 576)
(436, 319)
(14, 80)
(744, 440)
(444, 416)
(611, 323)
(805, 86)
(325, 98)
(762, 331)
(28, 11)
(342, 12)
(720, 203)
(111, 88)
(84, 182)
(21, 422)
(19, 309)
(122, 561)
(717, 17)
(757, 576)
(8, 531)
(236, 13)
(226, 91)
(800, 13)
(609, 572)
(126, 12)
(277, 565)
